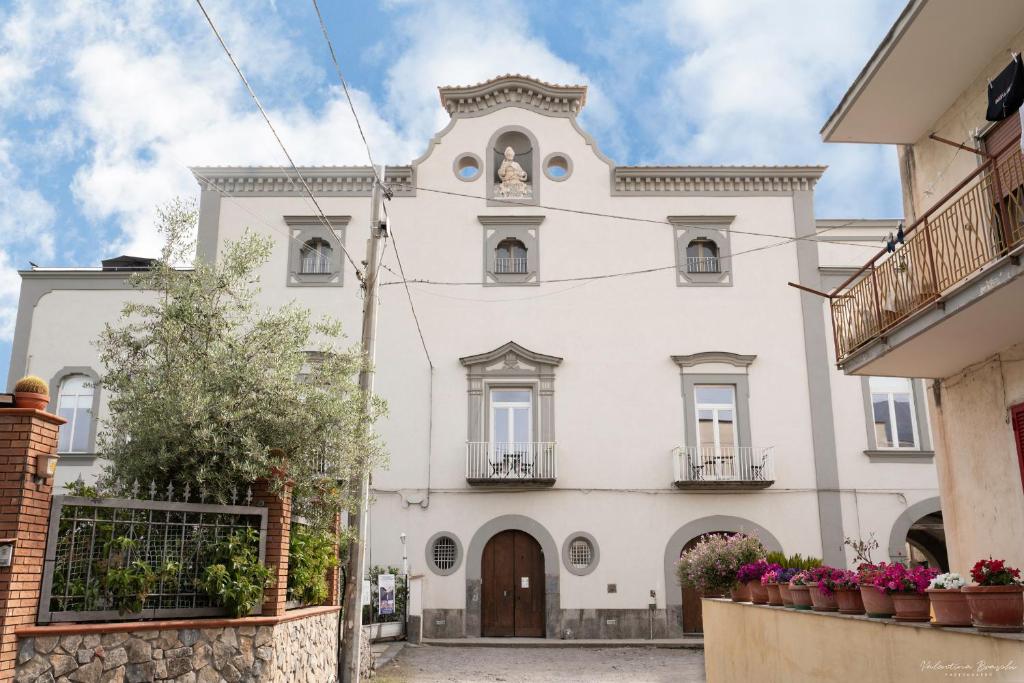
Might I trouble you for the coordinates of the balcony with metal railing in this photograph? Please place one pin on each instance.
(702, 264)
(523, 462)
(507, 265)
(962, 249)
(723, 467)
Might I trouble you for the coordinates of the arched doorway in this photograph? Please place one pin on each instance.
(918, 536)
(693, 621)
(512, 591)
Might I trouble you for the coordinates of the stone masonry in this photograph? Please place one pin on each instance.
(299, 650)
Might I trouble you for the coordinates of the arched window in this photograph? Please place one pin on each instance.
(510, 256)
(74, 404)
(316, 257)
(702, 256)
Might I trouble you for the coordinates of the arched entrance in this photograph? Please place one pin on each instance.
(918, 536)
(512, 591)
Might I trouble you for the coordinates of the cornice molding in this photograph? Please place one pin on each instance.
(510, 347)
(704, 357)
(512, 90)
(511, 220)
(323, 181)
(701, 220)
(316, 221)
(682, 180)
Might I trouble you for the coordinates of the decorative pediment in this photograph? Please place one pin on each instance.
(513, 90)
(511, 357)
(706, 357)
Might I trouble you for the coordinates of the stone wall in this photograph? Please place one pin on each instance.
(582, 623)
(261, 649)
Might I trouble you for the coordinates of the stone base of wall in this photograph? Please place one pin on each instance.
(583, 623)
(299, 647)
(443, 623)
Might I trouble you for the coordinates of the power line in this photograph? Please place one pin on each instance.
(408, 295)
(252, 94)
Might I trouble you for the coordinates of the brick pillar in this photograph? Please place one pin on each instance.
(333, 586)
(279, 529)
(26, 436)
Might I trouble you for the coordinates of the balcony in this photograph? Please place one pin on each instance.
(505, 265)
(702, 264)
(526, 462)
(723, 468)
(949, 296)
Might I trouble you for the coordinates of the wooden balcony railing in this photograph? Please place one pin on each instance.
(975, 223)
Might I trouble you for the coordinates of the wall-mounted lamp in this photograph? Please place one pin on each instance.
(46, 465)
(6, 551)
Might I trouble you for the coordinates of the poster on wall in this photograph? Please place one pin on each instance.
(386, 593)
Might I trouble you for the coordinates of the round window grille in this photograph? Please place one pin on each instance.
(581, 553)
(445, 552)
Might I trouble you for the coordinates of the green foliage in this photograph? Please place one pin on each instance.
(798, 561)
(236, 579)
(370, 614)
(311, 555)
(80, 488)
(775, 557)
(32, 384)
(208, 387)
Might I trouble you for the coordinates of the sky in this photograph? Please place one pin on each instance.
(104, 105)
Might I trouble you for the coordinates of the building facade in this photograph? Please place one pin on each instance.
(947, 304)
(570, 433)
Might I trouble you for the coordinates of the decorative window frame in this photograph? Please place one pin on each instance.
(924, 453)
(532, 174)
(512, 366)
(479, 164)
(301, 229)
(567, 560)
(526, 229)
(87, 457)
(429, 554)
(685, 229)
(568, 167)
(739, 380)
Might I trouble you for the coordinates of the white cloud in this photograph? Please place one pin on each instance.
(10, 284)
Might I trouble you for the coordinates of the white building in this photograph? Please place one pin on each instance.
(573, 435)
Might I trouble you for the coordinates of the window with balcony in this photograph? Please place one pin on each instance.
(892, 409)
(510, 257)
(716, 429)
(314, 250)
(702, 256)
(316, 257)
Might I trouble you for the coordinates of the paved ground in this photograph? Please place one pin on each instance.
(429, 664)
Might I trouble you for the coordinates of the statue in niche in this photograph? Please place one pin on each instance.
(513, 183)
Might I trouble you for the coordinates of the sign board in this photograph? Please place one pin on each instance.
(6, 553)
(524, 582)
(366, 591)
(386, 594)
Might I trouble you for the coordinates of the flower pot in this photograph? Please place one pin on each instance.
(996, 609)
(740, 593)
(822, 602)
(849, 601)
(774, 595)
(912, 607)
(950, 605)
(877, 604)
(30, 399)
(787, 599)
(801, 596)
(758, 592)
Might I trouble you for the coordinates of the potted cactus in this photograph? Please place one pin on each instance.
(31, 392)
(948, 601)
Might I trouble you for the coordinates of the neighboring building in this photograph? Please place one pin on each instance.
(573, 436)
(949, 303)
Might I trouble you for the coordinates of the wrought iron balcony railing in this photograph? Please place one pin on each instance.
(510, 462)
(504, 264)
(716, 467)
(702, 264)
(973, 225)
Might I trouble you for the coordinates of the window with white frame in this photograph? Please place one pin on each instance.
(510, 257)
(511, 418)
(717, 437)
(316, 257)
(74, 404)
(892, 407)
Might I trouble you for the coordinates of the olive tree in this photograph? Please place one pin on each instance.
(209, 388)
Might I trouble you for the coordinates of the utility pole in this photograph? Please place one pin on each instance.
(352, 608)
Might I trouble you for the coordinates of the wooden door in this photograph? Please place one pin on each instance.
(512, 594)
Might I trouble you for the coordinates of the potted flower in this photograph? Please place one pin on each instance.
(783, 578)
(750, 574)
(877, 603)
(847, 591)
(907, 588)
(770, 580)
(710, 566)
(823, 597)
(997, 601)
(800, 591)
(32, 392)
(948, 601)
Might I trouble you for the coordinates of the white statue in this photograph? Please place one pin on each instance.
(513, 177)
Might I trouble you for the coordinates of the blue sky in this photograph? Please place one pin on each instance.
(104, 105)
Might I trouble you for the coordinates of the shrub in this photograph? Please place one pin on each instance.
(31, 383)
(711, 564)
(992, 572)
(798, 561)
(310, 556)
(126, 583)
(236, 580)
